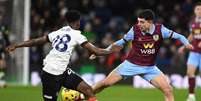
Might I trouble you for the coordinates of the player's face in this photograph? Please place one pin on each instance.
(197, 11)
(77, 24)
(144, 24)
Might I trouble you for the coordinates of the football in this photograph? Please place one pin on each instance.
(70, 95)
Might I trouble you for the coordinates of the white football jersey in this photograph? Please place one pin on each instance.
(63, 42)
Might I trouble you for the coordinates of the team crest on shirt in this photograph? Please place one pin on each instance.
(197, 31)
(156, 37)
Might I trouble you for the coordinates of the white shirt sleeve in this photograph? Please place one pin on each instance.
(81, 39)
(51, 36)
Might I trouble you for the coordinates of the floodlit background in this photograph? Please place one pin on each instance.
(103, 22)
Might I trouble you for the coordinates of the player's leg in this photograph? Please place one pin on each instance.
(191, 82)
(51, 86)
(192, 64)
(162, 83)
(86, 90)
(111, 79)
(73, 81)
(125, 68)
(159, 80)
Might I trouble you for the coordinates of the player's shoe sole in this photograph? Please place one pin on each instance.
(191, 98)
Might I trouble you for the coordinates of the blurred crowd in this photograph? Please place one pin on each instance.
(105, 21)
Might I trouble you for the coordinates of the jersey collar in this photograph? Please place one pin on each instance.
(151, 31)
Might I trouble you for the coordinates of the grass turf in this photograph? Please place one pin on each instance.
(115, 93)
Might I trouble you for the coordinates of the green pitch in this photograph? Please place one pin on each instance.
(115, 93)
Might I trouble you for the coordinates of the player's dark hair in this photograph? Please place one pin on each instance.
(147, 14)
(72, 16)
(197, 4)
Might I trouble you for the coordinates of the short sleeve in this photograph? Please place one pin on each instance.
(51, 36)
(129, 36)
(166, 33)
(81, 39)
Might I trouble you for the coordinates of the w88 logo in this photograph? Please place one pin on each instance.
(61, 43)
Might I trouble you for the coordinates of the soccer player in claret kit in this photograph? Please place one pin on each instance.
(146, 37)
(55, 72)
(194, 59)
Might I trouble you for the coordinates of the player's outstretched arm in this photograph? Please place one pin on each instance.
(29, 43)
(112, 48)
(166, 33)
(182, 48)
(115, 47)
(184, 40)
(118, 45)
(96, 50)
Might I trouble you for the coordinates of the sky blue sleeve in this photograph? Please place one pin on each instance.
(129, 36)
(166, 33)
(120, 42)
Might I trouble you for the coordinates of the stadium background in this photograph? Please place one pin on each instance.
(103, 22)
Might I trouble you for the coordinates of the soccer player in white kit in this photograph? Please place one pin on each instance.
(55, 72)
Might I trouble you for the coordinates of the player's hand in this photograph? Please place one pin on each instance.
(189, 46)
(10, 48)
(92, 57)
(181, 50)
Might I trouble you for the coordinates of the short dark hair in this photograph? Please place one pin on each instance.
(197, 4)
(72, 16)
(147, 14)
